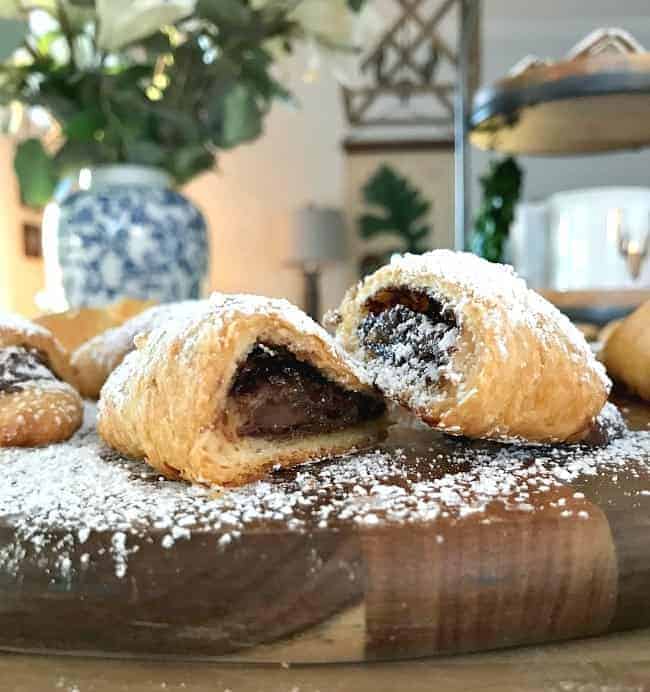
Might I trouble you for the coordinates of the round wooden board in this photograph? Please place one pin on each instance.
(429, 545)
(591, 104)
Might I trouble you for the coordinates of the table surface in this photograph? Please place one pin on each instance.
(614, 663)
(617, 663)
(506, 546)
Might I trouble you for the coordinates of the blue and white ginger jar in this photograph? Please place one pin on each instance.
(122, 231)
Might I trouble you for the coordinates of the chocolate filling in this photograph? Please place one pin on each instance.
(276, 395)
(402, 325)
(21, 364)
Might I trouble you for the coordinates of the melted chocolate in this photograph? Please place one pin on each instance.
(277, 395)
(402, 323)
(21, 364)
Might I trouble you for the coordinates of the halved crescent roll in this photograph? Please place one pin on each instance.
(38, 400)
(471, 350)
(246, 384)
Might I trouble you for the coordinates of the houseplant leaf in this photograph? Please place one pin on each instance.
(84, 125)
(190, 161)
(501, 187)
(228, 12)
(36, 173)
(74, 155)
(371, 226)
(242, 119)
(145, 153)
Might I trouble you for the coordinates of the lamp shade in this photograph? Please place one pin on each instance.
(318, 235)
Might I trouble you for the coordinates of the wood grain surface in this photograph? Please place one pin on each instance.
(572, 560)
(614, 663)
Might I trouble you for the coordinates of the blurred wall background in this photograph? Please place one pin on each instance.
(249, 201)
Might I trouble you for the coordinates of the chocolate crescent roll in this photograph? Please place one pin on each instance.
(626, 351)
(244, 385)
(466, 346)
(38, 402)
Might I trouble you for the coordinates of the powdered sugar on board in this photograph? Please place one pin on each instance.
(67, 506)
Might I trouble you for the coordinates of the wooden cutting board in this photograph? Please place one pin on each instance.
(427, 545)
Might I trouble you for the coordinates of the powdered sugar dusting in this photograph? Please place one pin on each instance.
(75, 503)
(225, 306)
(404, 363)
(221, 308)
(107, 348)
(36, 401)
(465, 284)
(498, 284)
(19, 365)
(20, 324)
(31, 393)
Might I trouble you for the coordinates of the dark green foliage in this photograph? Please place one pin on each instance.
(217, 89)
(36, 171)
(501, 191)
(403, 212)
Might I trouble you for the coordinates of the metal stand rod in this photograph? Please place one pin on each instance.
(312, 292)
(468, 24)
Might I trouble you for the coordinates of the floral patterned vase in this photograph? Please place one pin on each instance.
(121, 231)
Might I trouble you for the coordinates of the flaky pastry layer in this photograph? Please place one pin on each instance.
(515, 369)
(168, 400)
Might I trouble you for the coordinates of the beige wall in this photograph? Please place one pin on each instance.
(21, 277)
(431, 171)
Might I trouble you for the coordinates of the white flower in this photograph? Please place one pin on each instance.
(335, 24)
(123, 21)
(329, 21)
(84, 52)
(336, 42)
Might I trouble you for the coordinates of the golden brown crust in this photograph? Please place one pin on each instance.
(518, 368)
(607, 331)
(38, 411)
(626, 352)
(17, 331)
(39, 416)
(74, 327)
(95, 359)
(168, 400)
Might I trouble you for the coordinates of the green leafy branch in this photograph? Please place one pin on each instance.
(170, 94)
(501, 187)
